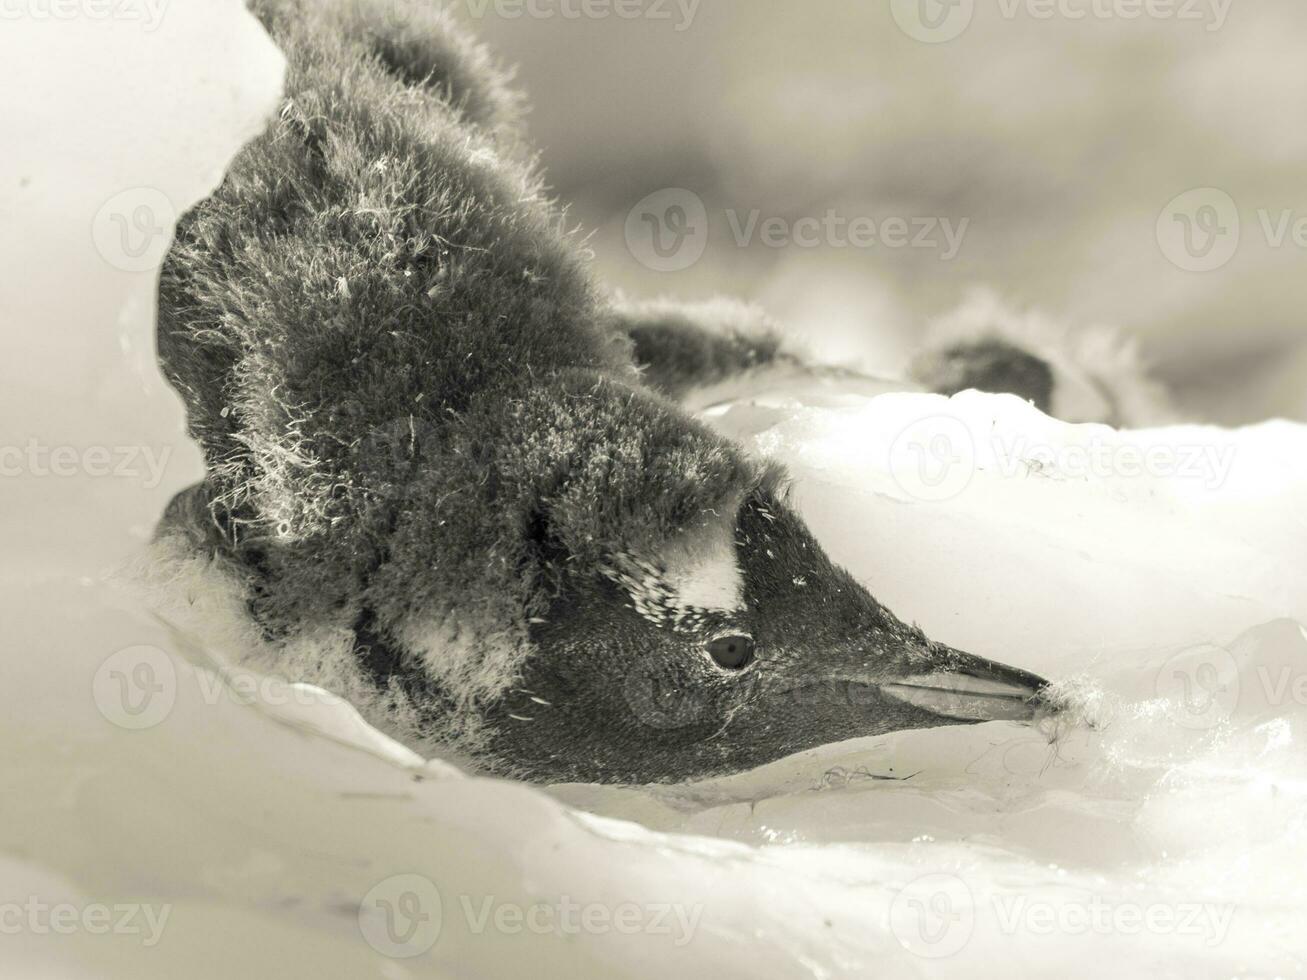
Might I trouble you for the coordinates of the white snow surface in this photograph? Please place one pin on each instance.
(252, 828)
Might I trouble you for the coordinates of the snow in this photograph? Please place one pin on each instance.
(1085, 541)
(166, 816)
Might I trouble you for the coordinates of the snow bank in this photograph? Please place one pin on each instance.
(1050, 544)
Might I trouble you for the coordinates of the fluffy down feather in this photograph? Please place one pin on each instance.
(416, 410)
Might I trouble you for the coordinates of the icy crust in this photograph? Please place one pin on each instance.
(240, 821)
(274, 837)
(1026, 539)
(1159, 822)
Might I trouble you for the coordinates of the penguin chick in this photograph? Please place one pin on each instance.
(988, 364)
(435, 476)
(712, 353)
(740, 647)
(1095, 374)
(680, 346)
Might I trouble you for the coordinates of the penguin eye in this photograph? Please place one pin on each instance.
(731, 652)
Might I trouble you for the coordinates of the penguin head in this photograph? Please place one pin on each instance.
(733, 646)
(1076, 373)
(989, 364)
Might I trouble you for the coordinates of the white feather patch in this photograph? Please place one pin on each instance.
(469, 664)
(203, 597)
(702, 568)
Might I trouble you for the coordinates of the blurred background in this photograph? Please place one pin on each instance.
(1041, 149)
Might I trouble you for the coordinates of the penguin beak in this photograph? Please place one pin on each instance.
(966, 688)
(928, 685)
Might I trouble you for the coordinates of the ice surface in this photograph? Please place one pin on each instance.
(267, 832)
(1162, 591)
(997, 527)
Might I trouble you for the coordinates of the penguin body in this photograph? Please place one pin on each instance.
(680, 347)
(1089, 374)
(431, 458)
(709, 352)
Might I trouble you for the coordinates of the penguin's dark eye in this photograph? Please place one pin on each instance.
(731, 652)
